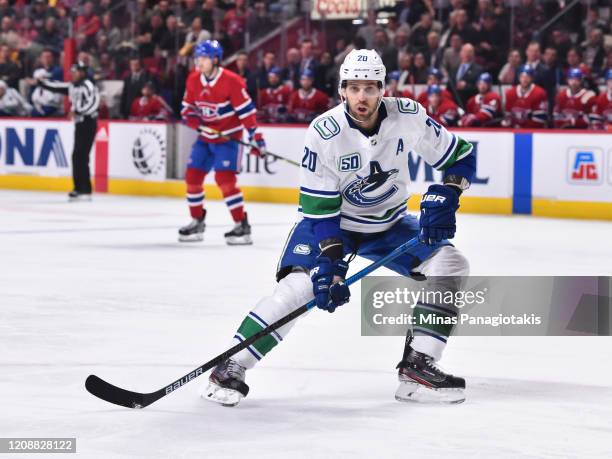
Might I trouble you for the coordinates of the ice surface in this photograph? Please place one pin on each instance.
(104, 288)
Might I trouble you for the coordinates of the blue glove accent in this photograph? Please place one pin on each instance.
(327, 295)
(438, 208)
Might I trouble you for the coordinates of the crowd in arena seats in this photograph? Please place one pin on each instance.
(469, 62)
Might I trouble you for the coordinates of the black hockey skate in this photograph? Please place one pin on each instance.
(241, 234)
(226, 384)
(193, 232)
(75, 196)
(421, 380)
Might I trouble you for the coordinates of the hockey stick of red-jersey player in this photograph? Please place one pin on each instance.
(113, 394)
(208, 130)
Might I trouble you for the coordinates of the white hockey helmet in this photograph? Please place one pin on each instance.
(362, 64)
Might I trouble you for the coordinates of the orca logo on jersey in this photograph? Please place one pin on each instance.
(357, 192)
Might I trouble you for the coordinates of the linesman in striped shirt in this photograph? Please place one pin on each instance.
(85, 101)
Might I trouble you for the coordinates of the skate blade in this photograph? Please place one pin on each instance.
(238, 240)
(191, 237)
(410, 391)
(217, 394)
(82, 198)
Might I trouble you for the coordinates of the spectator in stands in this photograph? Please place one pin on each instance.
(6, 9)
(189, 12)
(593, 51)
(111, 32)
(151, 35)
(8, 33)
(435, 77)
(212, 17)
(44, 103)
(418, 35)
(47, 62)
(601, 116)
(326, 75)
(234, 24)
(483, 109)
(397, 50)
(526, 104)
(433, 52)
(88, 24)
(195, 35)
(307, 57)
(242, 69)
(409, 11)
(274, 99)
(381, 44)
(467, 74)
(163, 9)
(463, 28)
(38, 13)
(444, 111)
(9, 71)
(509, 72)
(368, 30)
(391, 89)
(574, 104)
(406, 80)
(593, 21)
(574, 60)
(307, 102)
(492, 43)
(529, 16)
(149, 106)
(133, 84)
(50, 37)
(261, 74)
(107, 68)
(451, 59)
(420, 70)
(560, 40)
(555, 74)
(259, 22)
(172, 37)
(12, 103)
(291, 73)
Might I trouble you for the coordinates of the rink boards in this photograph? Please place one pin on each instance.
(543, 173)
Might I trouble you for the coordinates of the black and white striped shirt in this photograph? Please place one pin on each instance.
(84, 96)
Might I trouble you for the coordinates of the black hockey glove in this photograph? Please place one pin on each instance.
(438, 207)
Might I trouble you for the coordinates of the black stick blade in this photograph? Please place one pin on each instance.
(113, 394)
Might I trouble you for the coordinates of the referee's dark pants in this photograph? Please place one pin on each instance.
(84, 135)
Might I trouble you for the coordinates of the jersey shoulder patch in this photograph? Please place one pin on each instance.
(327, 127)
(407, 106)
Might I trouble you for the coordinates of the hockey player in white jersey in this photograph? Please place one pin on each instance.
(353, 190)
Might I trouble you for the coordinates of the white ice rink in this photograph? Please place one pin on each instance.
(104, 288)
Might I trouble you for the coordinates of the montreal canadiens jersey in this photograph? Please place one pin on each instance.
(602, 111)
(222, 104)
(365, 180)
(572, 110)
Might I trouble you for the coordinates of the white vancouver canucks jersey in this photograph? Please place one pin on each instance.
(365, 179)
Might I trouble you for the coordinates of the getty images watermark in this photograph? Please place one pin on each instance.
(477, 306)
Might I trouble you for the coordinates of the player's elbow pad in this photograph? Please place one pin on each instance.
(465, 167)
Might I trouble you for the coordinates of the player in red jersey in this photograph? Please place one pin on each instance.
(435, 77)
(307, 102)
(574, 103)
(526, 103)
(217, 99)
(149, 106)
(273, 101)
(392, 91)
(444, 111)
(483, 109)
(601, 114)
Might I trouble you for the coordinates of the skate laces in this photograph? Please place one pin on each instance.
(235, 370)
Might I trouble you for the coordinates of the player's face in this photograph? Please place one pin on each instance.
(362, 98)
(483, 87)
(434, 100)
(574, 84)
(524, 79)
(205, 65)
(306, 83)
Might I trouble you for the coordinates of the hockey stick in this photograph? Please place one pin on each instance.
(209, 130)
(113, 394)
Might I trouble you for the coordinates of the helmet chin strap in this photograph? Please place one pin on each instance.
(347, 110)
